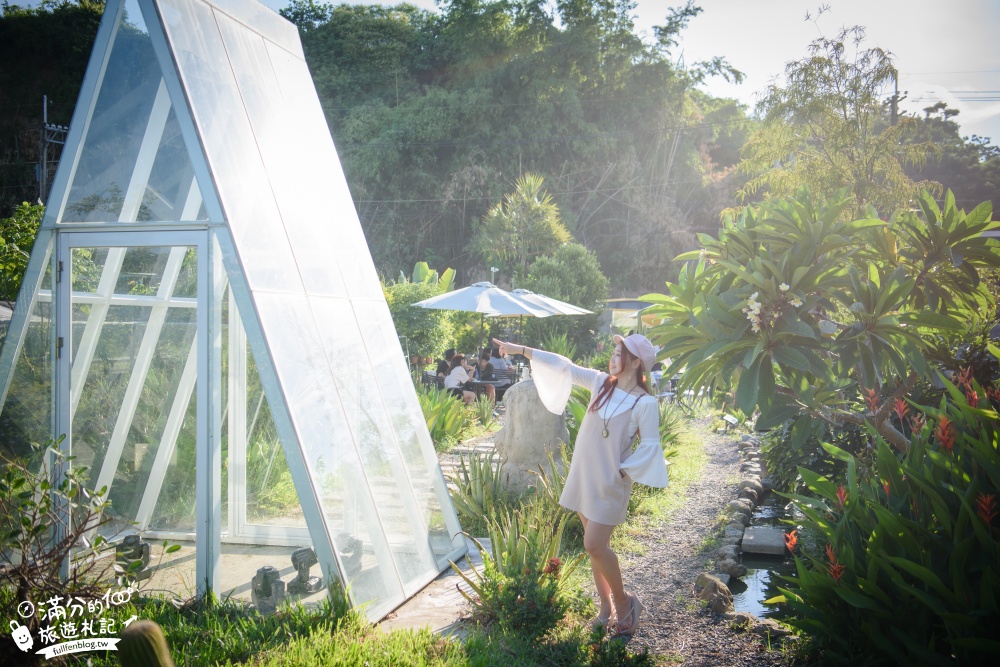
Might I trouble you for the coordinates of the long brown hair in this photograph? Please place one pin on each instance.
(610, 382)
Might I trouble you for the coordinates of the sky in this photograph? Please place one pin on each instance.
(944, 50)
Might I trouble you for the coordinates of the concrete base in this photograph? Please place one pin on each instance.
(439, 606)
(764, 540)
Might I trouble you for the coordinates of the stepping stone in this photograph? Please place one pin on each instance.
(764, 540)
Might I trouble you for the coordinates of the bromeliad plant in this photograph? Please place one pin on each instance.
(909, 567)
(445, 415)
(521, 586)
(480, 486)
(821, 320)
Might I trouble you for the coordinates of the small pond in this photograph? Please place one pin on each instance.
(763, 572)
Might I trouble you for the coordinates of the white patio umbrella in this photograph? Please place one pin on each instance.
(484, 298)
(555, 306)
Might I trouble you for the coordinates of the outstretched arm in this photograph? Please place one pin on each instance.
(512, 348)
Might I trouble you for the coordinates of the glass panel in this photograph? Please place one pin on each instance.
(404, 523)
(415, 446)
(26, 416)
(230, 145)
(134, 165)
(336, 471)
(132, 381)
(321, 180)
(298, 182)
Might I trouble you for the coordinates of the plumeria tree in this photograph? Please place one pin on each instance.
(822, 320)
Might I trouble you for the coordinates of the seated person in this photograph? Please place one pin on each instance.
(501, 363)
(484, 371)
(459, 374)
(444, 365)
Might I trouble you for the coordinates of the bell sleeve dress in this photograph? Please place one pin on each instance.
(604, 462)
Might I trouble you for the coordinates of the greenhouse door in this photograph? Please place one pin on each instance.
(130, 345)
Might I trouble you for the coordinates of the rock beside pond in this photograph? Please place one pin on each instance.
(771, 628)
(728, 552)
(732, 531)
(530, 431)
(732, 568)
(717, 594)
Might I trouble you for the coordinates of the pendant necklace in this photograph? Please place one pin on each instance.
(607, 420)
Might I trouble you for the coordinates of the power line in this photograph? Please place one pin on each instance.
(540, 140)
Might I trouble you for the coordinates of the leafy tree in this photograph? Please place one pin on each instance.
(45, 51)
(822, 321)
(17, 236)
(826, 128)
(427, 330)
(572, 274)
(970, 166)
(521, 228)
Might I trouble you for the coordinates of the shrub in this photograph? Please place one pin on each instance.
(910, 568)
(479, 488)
(427, 330)
(484, 411)
(519, 589)
(560, 344)
(35, 538)
(17, 236)
(445, 414)
(572, 274)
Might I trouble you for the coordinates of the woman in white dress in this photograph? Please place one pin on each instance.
(605, 462)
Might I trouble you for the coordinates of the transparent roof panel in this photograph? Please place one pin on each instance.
(231, 145)
(134, 164)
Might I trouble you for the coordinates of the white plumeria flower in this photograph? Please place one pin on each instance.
(783, 287)
(796, 301)
(755, 327)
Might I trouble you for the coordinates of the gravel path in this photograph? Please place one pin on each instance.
(674, 624)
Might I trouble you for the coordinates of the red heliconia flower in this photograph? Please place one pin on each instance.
(831, 553)
(987, 507)
(900, 408)
(964, 378)
(945, 432)
(791, 540)
(885, 485)
(841, 496)
(837, 571)
(993, 393)
(972, 397)
(917, 422)
(913, 505)
(552, 567)
(871, 398)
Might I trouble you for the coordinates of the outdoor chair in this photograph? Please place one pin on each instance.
(511, 376)
(431, 379)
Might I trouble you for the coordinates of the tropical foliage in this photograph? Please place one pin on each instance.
(908, 563)
(17, 236)
(822, 320)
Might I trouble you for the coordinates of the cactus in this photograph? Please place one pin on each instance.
(143, 645)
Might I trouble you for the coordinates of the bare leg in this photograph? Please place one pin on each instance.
(604, 565)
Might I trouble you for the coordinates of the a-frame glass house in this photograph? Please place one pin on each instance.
(201, 319)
